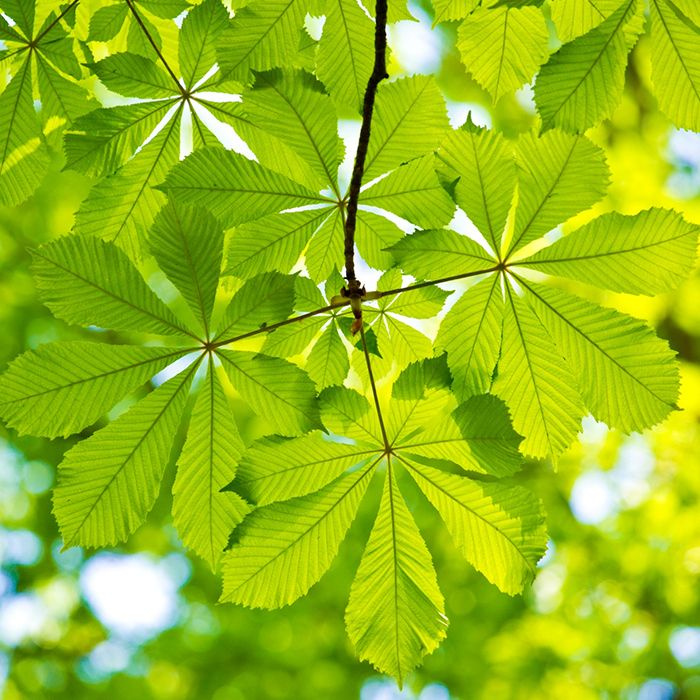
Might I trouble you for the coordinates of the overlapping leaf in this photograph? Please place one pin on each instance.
(39, 44)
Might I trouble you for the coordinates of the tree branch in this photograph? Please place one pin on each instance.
(378, 74)
(144, 29)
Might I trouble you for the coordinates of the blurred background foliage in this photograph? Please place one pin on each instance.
(613, 613)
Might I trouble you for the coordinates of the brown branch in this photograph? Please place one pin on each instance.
(144, 29)
(378, 74)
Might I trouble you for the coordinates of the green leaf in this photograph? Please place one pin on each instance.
(263, 35)
(132, 75)
(440, 253)
(649, 253)
(325, 250)
(412, 192)
(23, 13)
(399, 342)
(373, 235)
(109, 482)
(328, 362)
(89, 282)
(573, 18)
(23, 157)
(60, 97)
(263, 300)
(582, 83)
(446, 10)
(270, 147)
(410, 120)
(202, 514)
(346, 412)
(275, 389)
(416, 303)
(485, 425)
(537, 383)
(396, 614)
(284, 548)
(275, 469)
(294, 104)
(293, 338)
(122, 208)
(483, 161)
(558, 176)
(274, 242)
(502, 47)
(200, 32)
(62, 388)
(165, 9)
(471, 335)
(103, 140)
(345, 53)
(498, 528)
(106, 22)
(636, 376)
(233, 188)
(187, 243)
(675, 68)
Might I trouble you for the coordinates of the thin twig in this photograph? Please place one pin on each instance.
(430, 283)
(346, 302)
(387, 446)
(273, 326)
(378, 74)
(144, 29)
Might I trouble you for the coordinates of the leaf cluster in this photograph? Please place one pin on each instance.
(212, 242)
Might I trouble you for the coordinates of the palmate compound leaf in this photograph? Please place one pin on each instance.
(507, 349)
(109, 482)
(276, 241)
(309, 490)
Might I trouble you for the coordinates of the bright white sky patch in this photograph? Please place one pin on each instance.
(134, 596)
(685, 646)
(416, 46)
(593, 498)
